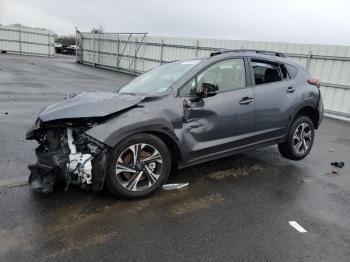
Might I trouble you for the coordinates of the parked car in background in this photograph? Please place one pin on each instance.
(67, 50)
(58, 48)
(177, 115)
(71, 50)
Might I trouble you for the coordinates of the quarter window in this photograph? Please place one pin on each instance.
(284, 71)
(227, 75)
(291, 70)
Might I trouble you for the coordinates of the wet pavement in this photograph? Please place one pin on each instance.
(234, 209)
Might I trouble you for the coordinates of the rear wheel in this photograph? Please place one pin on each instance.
(138, 166)
(300, 139)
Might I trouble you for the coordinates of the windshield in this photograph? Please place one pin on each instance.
(160, 78)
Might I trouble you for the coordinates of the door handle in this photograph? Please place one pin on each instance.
(246, 100)
(290, 89)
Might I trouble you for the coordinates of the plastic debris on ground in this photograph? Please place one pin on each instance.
(174, 186)
(338, 164)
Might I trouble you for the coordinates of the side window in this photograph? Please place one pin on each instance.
(266, 72)
(227, 75)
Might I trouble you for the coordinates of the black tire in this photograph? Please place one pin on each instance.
(114, 182)
(287, 149)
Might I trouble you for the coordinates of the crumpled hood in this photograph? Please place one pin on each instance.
(89, 104)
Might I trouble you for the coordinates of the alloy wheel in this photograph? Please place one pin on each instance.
(302, 138)
(138, 167)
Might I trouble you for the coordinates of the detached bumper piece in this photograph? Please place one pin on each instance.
(49, 166)
(41, 179)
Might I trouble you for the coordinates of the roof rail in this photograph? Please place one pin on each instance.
(265, 52)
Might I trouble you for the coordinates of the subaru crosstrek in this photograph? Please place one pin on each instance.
(177, 115)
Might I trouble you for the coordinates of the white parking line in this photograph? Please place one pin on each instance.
(297, 226)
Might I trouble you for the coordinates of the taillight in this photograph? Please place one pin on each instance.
(314, 82)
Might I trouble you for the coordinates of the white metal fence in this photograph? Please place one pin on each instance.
(137, 53)
(27, 41)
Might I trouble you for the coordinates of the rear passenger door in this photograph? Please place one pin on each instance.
(274, 98)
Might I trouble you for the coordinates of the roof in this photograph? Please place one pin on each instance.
(265, 52)
(262, 54)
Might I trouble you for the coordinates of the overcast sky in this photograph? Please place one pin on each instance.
(304, 21)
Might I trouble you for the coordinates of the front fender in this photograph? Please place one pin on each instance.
(114, 131)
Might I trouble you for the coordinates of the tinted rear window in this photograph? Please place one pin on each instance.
(266, 72)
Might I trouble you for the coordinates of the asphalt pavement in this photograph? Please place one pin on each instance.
(234, 209)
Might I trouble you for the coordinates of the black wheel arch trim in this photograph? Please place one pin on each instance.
(99, 166)
(311, 103)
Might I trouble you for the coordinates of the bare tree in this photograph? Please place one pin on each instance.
(66, 40)
(99, 29)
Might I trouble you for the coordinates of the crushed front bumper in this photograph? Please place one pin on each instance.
(42, 179)
(49, 167)
(71, 157)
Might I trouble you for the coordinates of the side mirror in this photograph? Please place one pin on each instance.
(206, 90)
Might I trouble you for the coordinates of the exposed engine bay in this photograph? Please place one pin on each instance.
(64, 153)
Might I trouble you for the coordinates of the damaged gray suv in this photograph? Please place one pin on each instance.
(177, 115)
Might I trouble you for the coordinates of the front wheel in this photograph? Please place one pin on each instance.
(138, 166)
(300, 139)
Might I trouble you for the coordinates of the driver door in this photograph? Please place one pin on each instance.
(223, 121)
